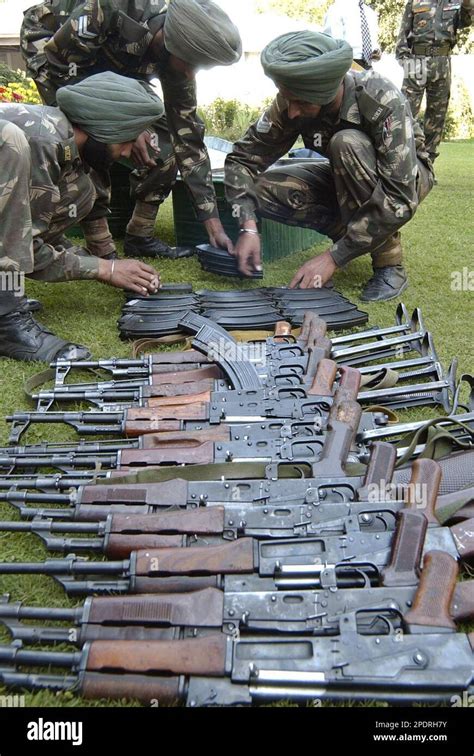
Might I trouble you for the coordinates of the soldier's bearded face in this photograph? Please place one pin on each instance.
(100, 156)
(299, 108)
(176, 64)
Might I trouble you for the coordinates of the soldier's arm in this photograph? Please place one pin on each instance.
(267, 140)
(73, 50)
(394, 200)
(38, 26)
(52, 264)
(403, 47)
(187, 137)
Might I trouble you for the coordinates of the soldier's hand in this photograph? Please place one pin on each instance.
(217, 235)
(315, 273)
(248, 254)
(141, 150)
(133, 275)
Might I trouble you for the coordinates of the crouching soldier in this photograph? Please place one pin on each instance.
(46, 154)
(377, 171)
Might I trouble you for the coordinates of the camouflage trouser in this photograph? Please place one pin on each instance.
(151, 186)
(22, 253)
(324, 196)
(432, 74)
(55, 259)
(16, 236)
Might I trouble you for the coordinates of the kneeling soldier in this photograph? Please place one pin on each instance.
(45, 158)
(378, 169)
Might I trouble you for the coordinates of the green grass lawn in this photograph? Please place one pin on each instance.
(437, 243)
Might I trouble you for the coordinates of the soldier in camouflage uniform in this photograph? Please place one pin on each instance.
(427, 35)
(378, 169)
(45, 188)
(64, 41)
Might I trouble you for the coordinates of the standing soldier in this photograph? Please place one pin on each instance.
(65, 41)
(427, 35)
(45, 188)
(378, 169)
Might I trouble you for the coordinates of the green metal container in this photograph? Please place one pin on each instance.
(278, 240)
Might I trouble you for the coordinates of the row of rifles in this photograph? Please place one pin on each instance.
(251, 522)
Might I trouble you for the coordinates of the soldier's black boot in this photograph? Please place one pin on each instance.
(23, 338)
(386, 283)
(150, 246)
(33, 305)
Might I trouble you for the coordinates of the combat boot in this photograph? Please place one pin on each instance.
(23, 338)
(150, 246)
(386, 283)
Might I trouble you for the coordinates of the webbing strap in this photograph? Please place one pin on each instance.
(438, 441)
(220, 471)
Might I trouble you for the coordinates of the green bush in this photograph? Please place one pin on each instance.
(229, 119)
(460, 117)
(8, 76)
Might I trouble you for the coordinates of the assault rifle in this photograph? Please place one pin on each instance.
(118, 535)
(329, 450)
(350, 561)
(241, 609)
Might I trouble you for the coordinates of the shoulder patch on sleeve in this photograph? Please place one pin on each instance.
(83, 28)
(372, 109)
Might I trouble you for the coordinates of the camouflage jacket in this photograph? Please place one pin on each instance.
(58, 181)
(371, 104)
(64, 41)
(432, 22)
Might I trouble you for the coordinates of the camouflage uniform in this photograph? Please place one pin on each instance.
(64, 41)
(44, 190)
(378, 170)
(427, 35)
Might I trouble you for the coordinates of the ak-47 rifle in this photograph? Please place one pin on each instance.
(329, 450)
(119, 535)
(244, 609)
(281, 407)
(355, 560)
(152, 395)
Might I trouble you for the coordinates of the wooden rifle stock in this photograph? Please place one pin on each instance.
(163, 690)
(211, 372)
(196, 656)
(232, 558)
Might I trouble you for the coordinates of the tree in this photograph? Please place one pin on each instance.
(312, 11)
(389, 12)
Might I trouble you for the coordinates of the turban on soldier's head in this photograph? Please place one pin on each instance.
(308, 64)
(110, 108)
(201, 34)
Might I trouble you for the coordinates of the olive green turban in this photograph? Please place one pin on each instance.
(201, 34)
(308, 64)
(110, 108)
